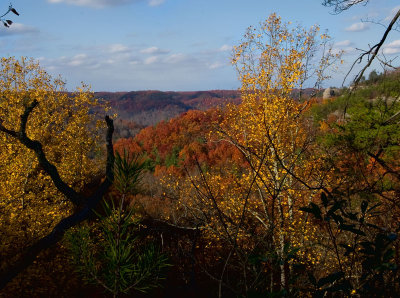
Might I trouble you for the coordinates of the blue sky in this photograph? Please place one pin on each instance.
(124, 45)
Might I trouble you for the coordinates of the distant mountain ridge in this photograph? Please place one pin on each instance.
(138, 109)
(169, 104)
(150, 107)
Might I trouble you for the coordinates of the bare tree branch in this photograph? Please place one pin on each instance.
(7, 23)
(372, 53)
(37, 147)
(341, 5)
(82, 214)
(374, 50)
(368, 20)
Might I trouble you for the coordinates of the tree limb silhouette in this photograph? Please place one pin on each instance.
(86, 204)
(340, 5)
(373, 51)
(7, 23)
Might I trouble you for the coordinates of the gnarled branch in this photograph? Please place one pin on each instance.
(37, 147)
(82, 214)
(7, 23)
(341, 5)
(372, 52)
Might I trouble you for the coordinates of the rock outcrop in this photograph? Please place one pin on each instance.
(330, 92)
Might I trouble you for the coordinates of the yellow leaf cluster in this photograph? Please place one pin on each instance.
(268, 128)
(65, 124)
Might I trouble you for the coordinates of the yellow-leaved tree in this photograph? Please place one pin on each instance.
(67, 127)
(275, 61)
(250, 211)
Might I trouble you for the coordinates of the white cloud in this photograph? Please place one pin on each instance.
(130, 67)
(104, 3)
(117, 55)
(356, 27)
(392, 48)
(225, 48)
(175, 58)
(395, 43)
(17, 29)
(156, 2)
(118, 48)
(94, 57)
(93, 3)
(151, 60)
(110, 61)
(345, 46)
(216, 65)
(78, 60)
(343, 43)
(391, 51)
(392, 13)
(153, 51)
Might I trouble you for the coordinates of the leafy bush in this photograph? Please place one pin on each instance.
(111, 253)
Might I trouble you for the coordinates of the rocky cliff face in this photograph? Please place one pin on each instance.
(331, 92)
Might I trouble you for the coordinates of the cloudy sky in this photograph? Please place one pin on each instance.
(124, 45)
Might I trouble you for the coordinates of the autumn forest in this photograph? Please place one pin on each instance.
(272, 190)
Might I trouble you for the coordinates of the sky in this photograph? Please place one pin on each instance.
(172, 45)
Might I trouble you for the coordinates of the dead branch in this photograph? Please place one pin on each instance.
(341, 5)
(372, 52)
(85, 209)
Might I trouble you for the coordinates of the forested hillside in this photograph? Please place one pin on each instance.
(150, 107)
(267, 191)
(341, 220)
(138, 109)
